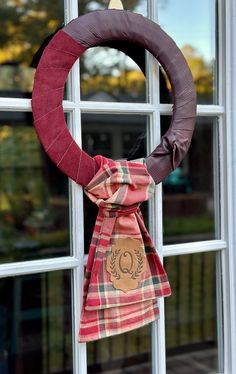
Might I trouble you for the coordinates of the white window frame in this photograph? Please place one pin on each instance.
(226, 113)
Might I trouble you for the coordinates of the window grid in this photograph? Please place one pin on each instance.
(18, 105)
(75, 107)
(76, 200)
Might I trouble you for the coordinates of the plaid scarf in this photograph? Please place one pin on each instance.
(124, 275)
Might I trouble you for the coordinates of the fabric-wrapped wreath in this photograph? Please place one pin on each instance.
(124, 275)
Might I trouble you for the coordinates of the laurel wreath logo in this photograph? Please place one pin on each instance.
(113, 263)
(135, 274)
(140, 265)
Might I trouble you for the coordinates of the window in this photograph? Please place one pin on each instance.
(113, 110)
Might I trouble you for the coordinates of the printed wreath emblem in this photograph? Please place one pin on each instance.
(140, 264)
(126, 263)
(113, 264)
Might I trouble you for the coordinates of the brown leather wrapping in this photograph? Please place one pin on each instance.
(110, 25)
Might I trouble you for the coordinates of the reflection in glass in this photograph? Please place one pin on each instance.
(125, 353)
(196, 37)
(191, 320)
(35, 321)
(190, 192)
(108, 74)
(116, 137)
(24, 26)
(33, 195)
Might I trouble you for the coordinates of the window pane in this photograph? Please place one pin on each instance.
(35, 320)
(191, 319)
(33, 195)
(108, 74)
(114, 136)
(191, 194)
(195, 35)
(125, 353)
(24, 26)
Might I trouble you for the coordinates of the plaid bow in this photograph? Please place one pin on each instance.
(121, 285)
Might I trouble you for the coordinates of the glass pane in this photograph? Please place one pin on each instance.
(108, 74)
(191, 319)
(34, 216)
(125, 353)
(191, 194)
(114, 136)
(24, 26)
(196, 36)
(35, 320)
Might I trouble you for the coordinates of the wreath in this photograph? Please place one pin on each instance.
(123, 30)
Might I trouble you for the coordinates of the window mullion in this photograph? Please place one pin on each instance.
(9, 104)
(155, 219)
(219, 310)
(77, 235)
(76, 201)
(37, 266)
(115, 107)
(202, 110)
(193, 247)
(158, 327)
(228, 55)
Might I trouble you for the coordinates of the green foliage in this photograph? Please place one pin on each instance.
(188, 225)
(191, 309)
(25, 24)
(52, 239)
(19, 147)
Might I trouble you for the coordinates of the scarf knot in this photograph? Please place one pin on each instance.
(120, 211)
(124, 275)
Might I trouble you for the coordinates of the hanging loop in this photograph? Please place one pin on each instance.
(115, 4)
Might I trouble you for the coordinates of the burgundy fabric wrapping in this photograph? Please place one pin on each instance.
(98, 28)
(49, 120)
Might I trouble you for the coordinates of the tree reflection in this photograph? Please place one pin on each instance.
(202, 72)
(25, 25)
